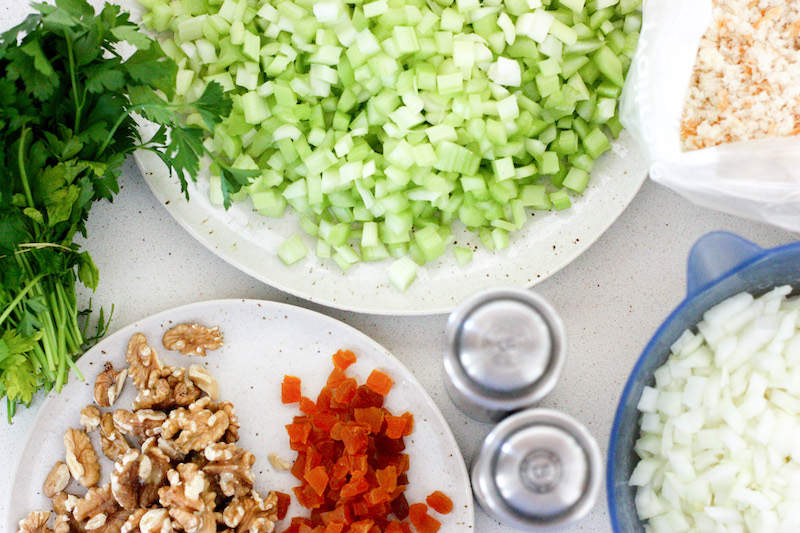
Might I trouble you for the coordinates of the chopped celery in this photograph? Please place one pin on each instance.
(402, 272)
(292, 249)
(560, 200)
(384, 121)
(462, 255)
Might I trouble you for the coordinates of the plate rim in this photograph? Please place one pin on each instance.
(236, 302)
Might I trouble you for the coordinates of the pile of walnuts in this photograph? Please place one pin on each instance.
(176, 463)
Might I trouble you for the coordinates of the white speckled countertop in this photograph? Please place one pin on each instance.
(612, 298)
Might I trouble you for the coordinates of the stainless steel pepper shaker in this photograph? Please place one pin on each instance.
(537, 470)
(504, 351)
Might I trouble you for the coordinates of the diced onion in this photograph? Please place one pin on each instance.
(719, 430)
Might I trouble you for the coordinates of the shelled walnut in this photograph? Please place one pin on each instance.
(176, 467)
(90, 418)
(195, 427)
(108, 386)
(112, 440)
(56, 480)
(81, 457)
(141, 424)
(35, 522)
(172, 389)
(230, 466)
(192, 339)
(144, 365)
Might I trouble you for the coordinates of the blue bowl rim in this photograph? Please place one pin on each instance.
(763, 255)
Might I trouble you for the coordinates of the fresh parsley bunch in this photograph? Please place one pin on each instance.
(68, 97)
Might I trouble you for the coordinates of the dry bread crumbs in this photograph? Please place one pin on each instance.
(746, 80)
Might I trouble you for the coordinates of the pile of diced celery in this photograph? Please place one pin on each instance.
(381, 123)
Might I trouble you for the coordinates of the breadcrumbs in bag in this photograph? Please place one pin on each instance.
(746, 79)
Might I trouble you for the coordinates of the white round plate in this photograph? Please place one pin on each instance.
(263, 342)
(549, 241)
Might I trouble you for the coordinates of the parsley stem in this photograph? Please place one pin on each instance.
(78, 106)
(10, 307)
(74, 368)
(114, 128)
(23, 176)
(125, 115)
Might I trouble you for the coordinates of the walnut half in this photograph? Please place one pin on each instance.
(108, 386)
(192, 339)
(35, 522)
(204, 381)
(194, 428)
(56, 480)
(81, 457)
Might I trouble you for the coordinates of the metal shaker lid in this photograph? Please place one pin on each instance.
(505, 344)
(504, 350)
(538, 468)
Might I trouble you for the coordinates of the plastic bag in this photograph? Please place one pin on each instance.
(757, 179)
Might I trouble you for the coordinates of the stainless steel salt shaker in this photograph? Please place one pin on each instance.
(538, 469)
(504, 351)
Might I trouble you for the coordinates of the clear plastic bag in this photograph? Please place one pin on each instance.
(757, 179)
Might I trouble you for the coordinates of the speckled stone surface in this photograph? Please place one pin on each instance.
(612, 298)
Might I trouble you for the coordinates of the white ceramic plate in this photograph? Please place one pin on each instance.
(546, 244)
(263, 342)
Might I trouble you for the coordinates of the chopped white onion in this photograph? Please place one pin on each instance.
(719, 442)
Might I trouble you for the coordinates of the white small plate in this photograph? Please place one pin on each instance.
(263, 342)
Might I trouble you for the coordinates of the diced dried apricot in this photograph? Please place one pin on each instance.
(409, 424)
(366, 397)
(317, 478)
(400, 507)
(324, 398)
(313, 460)
(325, 421)
(428, 525)
(387, 479)
(371, 416)
(307, 405)
(397, 527)
(334, 527)
(376, 496)
(362, 526)
(299, 467)
(395, 425)
(343, 359)
(379, 382)
(421, 520)
(354, 439)
(298, 433)
(290, 389)
(439, 502)
(355, 486)
(340, 514)
(345, 391)
(283, 504)
(416, 511)
(307, 497)
(336, 378)
(358, 464)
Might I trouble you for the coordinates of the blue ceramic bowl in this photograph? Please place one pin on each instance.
(720, 265)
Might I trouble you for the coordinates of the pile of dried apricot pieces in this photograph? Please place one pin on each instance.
(350, 460)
